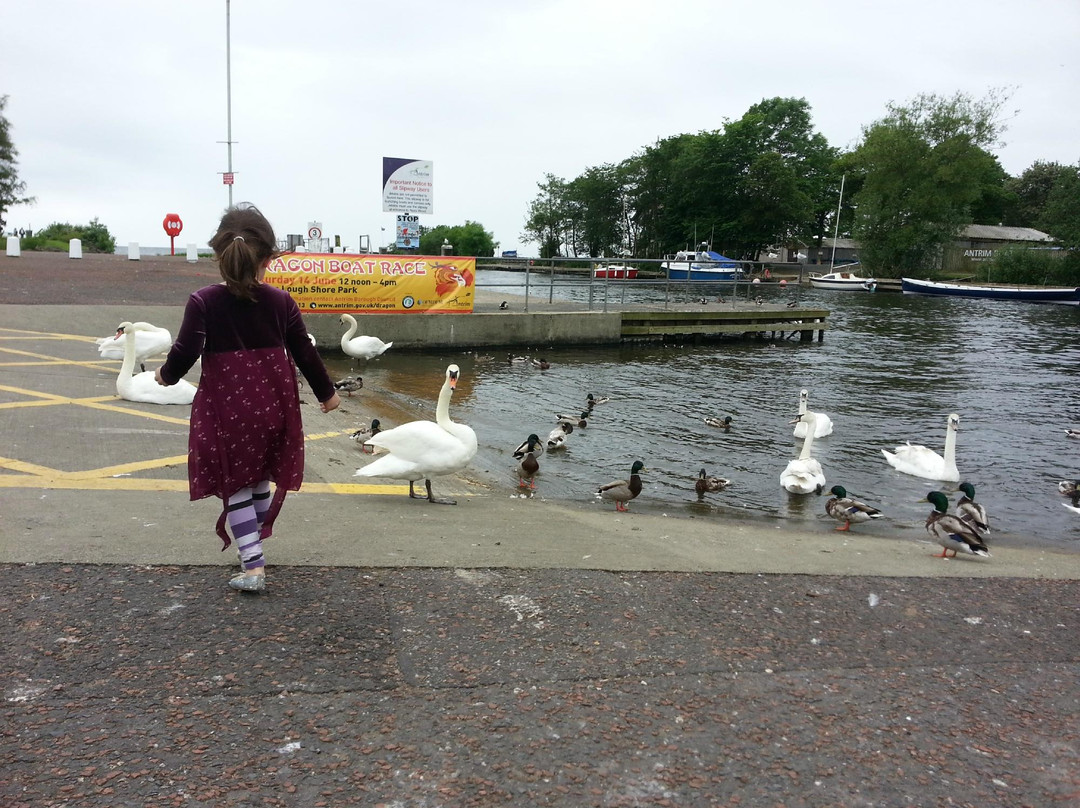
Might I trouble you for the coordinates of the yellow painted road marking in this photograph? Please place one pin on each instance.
(45, 335)
(61, 481)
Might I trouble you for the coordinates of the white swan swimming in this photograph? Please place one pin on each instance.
(420, 450)
(804, 474)
(360, 347)
(143, 386)
(150, 340)
(823, 423)
(920, 461)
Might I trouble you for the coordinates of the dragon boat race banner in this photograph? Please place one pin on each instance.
(378, 284)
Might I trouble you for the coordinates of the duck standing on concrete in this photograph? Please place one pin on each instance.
(528, 466)
(622, 491)
(847, 510)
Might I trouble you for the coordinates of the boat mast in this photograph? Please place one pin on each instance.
(836, 228)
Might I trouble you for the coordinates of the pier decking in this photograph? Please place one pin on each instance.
(724, 322)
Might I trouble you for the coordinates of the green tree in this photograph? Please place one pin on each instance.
(1061, 216)
(548, 218)
(923, 170)
(468, 239)
(1031, 191)
(12, 189)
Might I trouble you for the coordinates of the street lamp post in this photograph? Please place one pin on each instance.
(229, 177)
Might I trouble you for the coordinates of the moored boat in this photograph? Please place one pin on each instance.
(842, 279)
(701, 265)
(1069, 295)
(615, 272)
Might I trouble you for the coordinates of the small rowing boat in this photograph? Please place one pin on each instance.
(1069, 295)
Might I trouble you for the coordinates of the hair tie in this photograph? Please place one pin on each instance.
(239, 238)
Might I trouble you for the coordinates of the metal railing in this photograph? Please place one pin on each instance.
(542, 277)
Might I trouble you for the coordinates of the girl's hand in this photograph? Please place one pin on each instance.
(330, 403)
(158, 379)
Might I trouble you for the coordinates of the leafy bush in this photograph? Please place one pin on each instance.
(1023, 265)
(95, 237)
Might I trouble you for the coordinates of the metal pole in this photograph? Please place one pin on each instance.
(228, 89)
(836, 229)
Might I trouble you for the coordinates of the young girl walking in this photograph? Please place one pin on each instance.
(246, 430)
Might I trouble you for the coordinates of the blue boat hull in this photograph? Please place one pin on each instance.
(1066, 295)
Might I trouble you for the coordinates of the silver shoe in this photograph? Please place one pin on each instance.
(248, 582)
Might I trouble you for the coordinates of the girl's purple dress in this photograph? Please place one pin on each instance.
(245, 419)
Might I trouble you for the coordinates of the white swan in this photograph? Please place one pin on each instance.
(804, 474)
(143, 386)
(926, 463)
(420, 450)
(360, 347)
(823, 423)
(150, 340)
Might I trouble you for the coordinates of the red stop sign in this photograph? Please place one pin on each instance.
(172, 225)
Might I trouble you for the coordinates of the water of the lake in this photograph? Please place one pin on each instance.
(891, 369)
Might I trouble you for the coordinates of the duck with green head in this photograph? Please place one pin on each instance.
(848, 510)
(950, 531)
(622, 491)
(972, 512)
(528, 465)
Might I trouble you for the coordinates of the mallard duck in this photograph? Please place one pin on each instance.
(361, 436)
(591, 401)
(541, 363)
(420, 450)
(556, 439)
(804, 474)
(516, 360)
(504, 306)
(950, 531)
(150, 340)
(361, 347)
(709, 485)
(926, 463)
(349, 385)
(573, 420)
(622, 491)
(850, 511)
(720, 423)
(822, 424)
(971, 511)
(528, 466)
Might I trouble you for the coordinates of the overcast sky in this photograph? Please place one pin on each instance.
(117, 107)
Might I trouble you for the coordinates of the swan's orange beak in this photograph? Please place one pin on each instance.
(119, 333)
(453, 381)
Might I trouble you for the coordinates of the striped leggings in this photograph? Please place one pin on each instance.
(246, 511)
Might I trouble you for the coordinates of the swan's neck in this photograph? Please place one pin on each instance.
(950, 447)
(442, 409)
(808, 441)
(802, 405)
(128, 367)
(352, 328)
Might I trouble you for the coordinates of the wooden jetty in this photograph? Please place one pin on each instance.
(683, 324)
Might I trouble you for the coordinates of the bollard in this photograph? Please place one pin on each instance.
(13, 248)
(192, 253)
(133, 251)
(75, 248)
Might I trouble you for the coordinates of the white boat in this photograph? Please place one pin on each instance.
(701, 265)
(842, 279)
